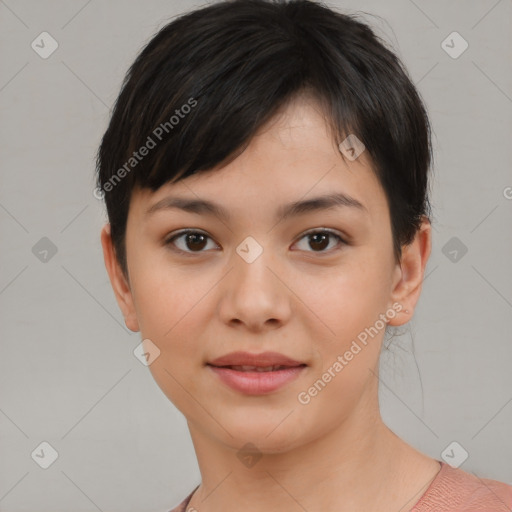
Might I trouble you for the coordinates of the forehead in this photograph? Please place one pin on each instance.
(292, 157)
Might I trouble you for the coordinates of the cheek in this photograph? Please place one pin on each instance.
(170, 311)
(164, 294)
(347, 324)
(345, 298)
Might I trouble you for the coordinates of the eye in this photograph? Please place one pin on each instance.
(319, 239)
(195, 240)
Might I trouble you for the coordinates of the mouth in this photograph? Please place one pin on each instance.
(256, 380)
(245, 368)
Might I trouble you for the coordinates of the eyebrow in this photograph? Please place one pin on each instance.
(200, 206)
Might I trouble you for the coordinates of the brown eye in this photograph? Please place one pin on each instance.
(190, 241)
(319, 240)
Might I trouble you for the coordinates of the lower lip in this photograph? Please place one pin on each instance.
(256, 383)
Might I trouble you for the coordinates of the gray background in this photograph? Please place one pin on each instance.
(68, 375)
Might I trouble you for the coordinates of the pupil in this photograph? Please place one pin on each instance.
(323, 236)
(194, 237)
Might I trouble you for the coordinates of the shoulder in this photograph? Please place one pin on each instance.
(456, 490)
(182, 507)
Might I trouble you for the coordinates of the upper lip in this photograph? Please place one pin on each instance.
(263, 359)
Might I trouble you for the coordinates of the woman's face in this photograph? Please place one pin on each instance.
(257, 282)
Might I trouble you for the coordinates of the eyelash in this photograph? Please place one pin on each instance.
(170, 241)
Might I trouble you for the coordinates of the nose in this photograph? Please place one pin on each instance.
(254, 294)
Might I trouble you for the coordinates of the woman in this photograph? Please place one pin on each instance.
(265, 173)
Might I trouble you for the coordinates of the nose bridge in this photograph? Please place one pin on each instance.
(251, 261)
(253, 293)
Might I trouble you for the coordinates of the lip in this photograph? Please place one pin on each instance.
(256, 383)
(262, 359)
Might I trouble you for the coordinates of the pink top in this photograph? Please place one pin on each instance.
(452, 490)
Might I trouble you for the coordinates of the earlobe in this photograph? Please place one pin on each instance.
(118, 281)
(407, 288)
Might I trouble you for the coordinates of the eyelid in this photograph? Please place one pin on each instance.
(325, 230)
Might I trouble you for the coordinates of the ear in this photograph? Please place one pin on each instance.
(410, 273)
(118, 281)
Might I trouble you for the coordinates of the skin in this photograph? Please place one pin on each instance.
(306, 301)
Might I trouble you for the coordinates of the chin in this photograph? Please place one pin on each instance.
(268, 437)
